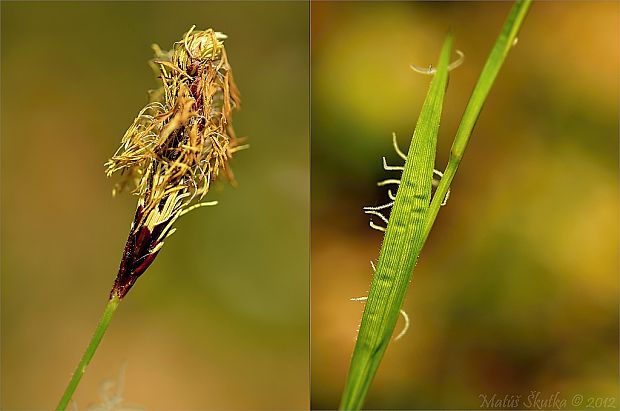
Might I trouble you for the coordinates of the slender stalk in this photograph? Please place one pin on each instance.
(90, 351)
(504, 43)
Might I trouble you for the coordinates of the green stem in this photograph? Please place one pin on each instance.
(90, 351)
(487, 77)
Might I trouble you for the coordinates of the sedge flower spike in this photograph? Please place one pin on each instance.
(181, 141)
(178, 144)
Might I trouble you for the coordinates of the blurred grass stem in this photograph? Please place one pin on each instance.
(90, 351)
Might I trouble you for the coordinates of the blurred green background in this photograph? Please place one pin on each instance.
(517, 287)
(221, 319)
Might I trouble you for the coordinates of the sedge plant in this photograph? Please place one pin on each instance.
(179, 143)
(414, 210)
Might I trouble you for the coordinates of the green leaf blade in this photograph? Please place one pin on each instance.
(401, 245)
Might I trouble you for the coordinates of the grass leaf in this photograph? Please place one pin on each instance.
(401, 245)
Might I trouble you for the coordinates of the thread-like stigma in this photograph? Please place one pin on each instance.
(405, 328)
(377, 227)
(386, 167)
(432, 70)
(402, 313)
(388, 181)
(379, 210)
(397, 148)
